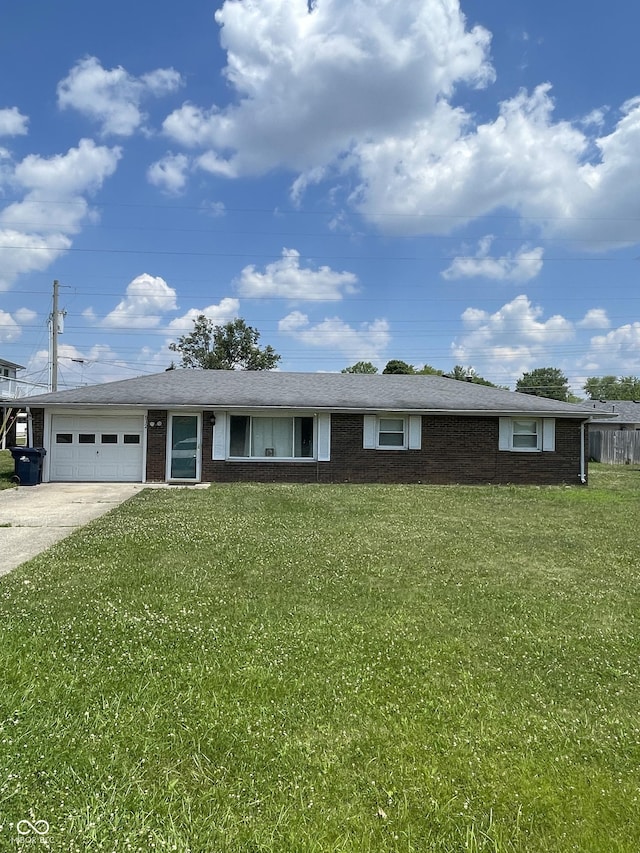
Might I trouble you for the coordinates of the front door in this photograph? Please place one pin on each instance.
(184, 447)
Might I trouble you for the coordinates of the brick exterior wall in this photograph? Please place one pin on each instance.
(37, 420)
(454, 450)
(156, 446)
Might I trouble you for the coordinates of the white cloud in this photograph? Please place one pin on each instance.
(595, 318)
(12, 122)
(169, 173)
(227, 309)
(285, 278)
(446, 172)
(9, 329)
(162, 81)
(113, 97)
(309, 82)
(366, 343)
(617, 352)
(100, 363)
(147, 299)
(80, 170)
(37, 229)
(595, 117)
(210, 162)
(361, 93)
(512, 340)
(25, 315)
(23, 253)
(520, 267)
(214, 208)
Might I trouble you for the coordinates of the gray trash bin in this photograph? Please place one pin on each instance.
(28, 465)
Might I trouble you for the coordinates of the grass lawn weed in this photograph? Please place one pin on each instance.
(256, 668)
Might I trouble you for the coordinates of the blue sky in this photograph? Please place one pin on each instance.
(437, 181)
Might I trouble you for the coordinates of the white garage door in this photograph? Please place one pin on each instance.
(96, 448)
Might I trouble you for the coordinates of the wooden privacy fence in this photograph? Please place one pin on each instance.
(616, 447)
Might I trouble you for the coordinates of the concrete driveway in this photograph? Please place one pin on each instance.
(32, 518)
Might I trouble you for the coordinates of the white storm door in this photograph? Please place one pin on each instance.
(183, 456)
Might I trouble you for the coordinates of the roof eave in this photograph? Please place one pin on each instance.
(496, 412)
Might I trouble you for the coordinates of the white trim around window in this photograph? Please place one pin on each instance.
(275, 437)
(391, 431)
(527, 435)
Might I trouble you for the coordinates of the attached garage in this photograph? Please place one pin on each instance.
(96, 448)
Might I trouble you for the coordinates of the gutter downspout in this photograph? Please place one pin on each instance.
(582, 475)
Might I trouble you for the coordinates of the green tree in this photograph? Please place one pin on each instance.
(464, 374)
(229, 346)
(397, 366)
(360, 367)
(468, 374)
(428, 370)
(613, 388)
(545, 382)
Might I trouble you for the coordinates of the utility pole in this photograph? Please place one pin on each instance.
(55, 328)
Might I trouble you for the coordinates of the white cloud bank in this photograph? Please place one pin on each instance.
(12, 122)
(99, 363)
(520, 267)
(512, 340)
(9, 329)
(113, 98)
(310, 82)
(169, 173)
(11, 324)
(285, 278)
(366, 343)
(147, 299)
(617, 352)
(595, 318)
(38, 229)
(366, 87)
(226, 310)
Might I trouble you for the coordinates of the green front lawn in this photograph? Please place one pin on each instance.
(334, 668)
(7, 467)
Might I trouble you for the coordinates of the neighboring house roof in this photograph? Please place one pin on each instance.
(231, 389)
(625, 411)
(5, 363)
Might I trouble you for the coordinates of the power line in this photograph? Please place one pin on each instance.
(275, 211)
(311, 257)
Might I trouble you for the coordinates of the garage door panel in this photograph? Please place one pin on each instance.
(93, 448)
(64, 473)
(64, 423)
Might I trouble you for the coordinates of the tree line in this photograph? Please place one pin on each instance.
(234, 346)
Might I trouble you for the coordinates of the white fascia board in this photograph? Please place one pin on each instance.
(583, 415)
(106, 411)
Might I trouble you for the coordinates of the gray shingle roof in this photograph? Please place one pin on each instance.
(3, 361)
(627, 411)
(228, 389)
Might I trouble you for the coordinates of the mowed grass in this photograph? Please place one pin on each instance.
(330, 668)
(7, 469)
